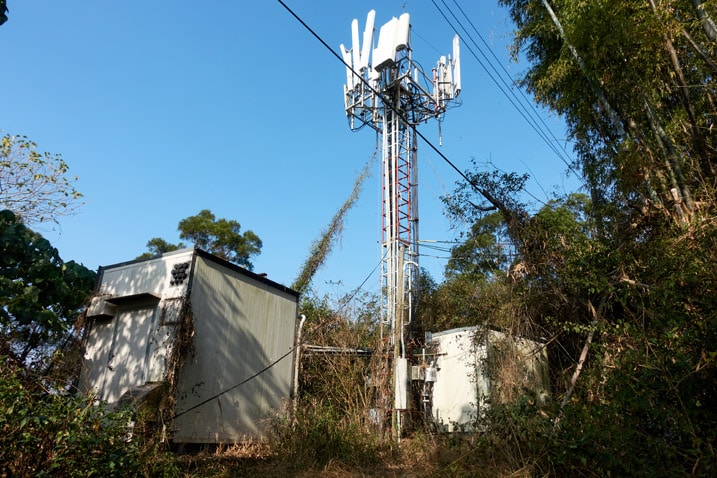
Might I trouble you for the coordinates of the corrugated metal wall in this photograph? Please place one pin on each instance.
(241, 326)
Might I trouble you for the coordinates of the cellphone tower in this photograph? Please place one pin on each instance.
(387, 91)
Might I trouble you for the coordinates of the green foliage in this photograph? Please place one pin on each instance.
(480, 255)
(3, 11)
(34, 185)
(40, 295)
(648, 295)
(461, 301)
(321, 248)
(634, 300)
(220, 237)
(319, 435)
(635, 85)
(159, 246)
(486, 191)
(50, 434)
(517, 443)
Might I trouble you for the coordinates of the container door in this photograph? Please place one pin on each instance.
(126, 367)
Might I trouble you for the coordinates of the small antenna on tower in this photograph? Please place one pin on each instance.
(456, 66)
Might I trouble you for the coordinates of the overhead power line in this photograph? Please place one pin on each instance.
(522, 110)
(506, 86)
(377, 93)
(418, 133)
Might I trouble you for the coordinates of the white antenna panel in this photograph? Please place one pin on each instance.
(449, 80)
(403, 31)
(444, 85)
(346, 54)
(367, 40)
(385, 53)
(355, 47)
(456, 66)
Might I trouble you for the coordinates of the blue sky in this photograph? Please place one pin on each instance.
(164, 108)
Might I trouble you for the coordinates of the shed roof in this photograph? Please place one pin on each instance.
(209, 256)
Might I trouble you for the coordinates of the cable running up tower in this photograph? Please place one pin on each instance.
(390, 93)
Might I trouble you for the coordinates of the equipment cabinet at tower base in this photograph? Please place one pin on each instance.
(472, 367)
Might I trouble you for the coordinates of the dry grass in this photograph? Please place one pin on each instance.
(424, 456)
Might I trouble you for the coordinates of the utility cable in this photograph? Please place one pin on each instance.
(512, 97)
(358, 289)
(478, 189)
(483, 192)
(204, 402)
(374, 91)
(520, 109)
(497, 61)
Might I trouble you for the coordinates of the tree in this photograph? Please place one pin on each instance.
(635, 83)
(59, 434)
(40, 295)
(620, 284)
(3, 11)
(34, 185)
(221, 237)
(629, 314)
(484, 251)
(159, 246)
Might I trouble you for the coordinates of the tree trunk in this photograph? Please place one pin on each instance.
(698, 140)
(708, 25)
(672, 160)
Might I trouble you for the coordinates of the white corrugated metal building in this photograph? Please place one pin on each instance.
(219, 337)
(468, 377)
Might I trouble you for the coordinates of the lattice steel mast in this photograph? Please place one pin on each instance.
(387, 91)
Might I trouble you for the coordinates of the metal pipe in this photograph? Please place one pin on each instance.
(297, 360)
(414, 283)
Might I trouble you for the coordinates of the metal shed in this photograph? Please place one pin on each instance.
(473, 367)
(217, 337)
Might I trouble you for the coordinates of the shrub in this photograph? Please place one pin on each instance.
(318, 435)
(50, 433)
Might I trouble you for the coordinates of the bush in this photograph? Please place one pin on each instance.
(49, 433)
(318, 435)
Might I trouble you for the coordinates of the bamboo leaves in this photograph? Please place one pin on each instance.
(634, 81)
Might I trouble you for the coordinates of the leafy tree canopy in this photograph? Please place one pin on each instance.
(33, 185)
(158, 246)
(40, 295)
(221, 237)
(635, 83)
(483, 251)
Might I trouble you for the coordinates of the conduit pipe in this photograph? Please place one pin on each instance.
(297, 360)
